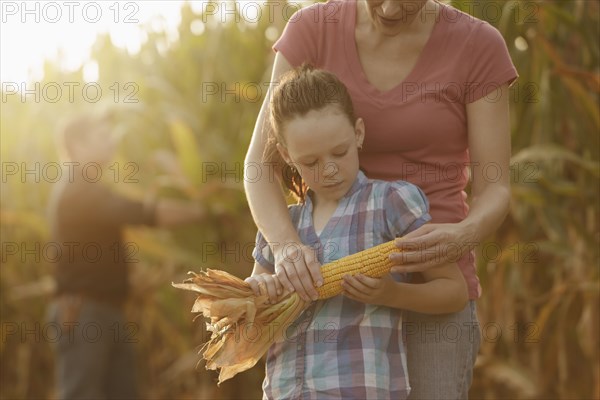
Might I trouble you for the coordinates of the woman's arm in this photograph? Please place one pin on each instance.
(444, 291)
(489, 149)
(298, 269)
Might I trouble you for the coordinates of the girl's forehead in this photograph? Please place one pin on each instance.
(318, 132)
(329, 115)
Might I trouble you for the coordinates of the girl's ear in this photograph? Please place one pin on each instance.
(359, 130)
(284, 153)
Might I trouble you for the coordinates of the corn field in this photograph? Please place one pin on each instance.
(185, 137)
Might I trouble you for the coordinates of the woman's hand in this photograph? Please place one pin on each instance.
(268, 282)
(298, 268)
(377, 291)
(432, 245)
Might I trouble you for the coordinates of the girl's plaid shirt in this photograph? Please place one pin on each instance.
(341, 348)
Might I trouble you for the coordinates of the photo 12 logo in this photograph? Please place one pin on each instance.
(69, 252)
(54, 92)
(69, 11)
(69, 332)
(71, 171)
(255, 11)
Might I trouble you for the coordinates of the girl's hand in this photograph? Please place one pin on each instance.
(432, 245)
(268, 282)
(369, 290)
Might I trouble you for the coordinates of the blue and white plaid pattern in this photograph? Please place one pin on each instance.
(341, 348)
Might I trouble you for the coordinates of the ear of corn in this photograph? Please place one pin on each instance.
(373, 262)
(234, 310)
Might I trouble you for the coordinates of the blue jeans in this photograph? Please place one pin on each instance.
(94, 355)
(441, 353)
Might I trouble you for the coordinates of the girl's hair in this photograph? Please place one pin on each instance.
(300, 91)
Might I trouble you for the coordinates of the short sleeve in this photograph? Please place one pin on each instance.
(262, 253)
(490, 65)
(406, 208)
(299, 41)
(262, 250)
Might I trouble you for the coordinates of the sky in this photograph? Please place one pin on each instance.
(32, 31)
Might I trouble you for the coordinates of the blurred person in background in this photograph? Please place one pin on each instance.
(94, 356)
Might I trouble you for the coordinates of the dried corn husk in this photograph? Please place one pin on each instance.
(243, 325)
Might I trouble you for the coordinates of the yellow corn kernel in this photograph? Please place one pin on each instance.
(373, 262)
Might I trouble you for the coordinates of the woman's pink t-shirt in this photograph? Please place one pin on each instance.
(416, 131)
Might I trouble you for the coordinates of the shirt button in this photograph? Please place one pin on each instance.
(299, 347)
(308, 313)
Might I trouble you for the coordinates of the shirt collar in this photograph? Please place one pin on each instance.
(359, 182)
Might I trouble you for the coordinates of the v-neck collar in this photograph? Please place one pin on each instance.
(351, 14)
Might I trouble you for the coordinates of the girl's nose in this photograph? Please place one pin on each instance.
(330, 168)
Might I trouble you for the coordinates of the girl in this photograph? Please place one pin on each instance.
(348, 346)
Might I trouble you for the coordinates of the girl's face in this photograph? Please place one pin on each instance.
(389, 16)
(323, 147)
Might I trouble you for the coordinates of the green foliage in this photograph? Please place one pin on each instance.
(542, 288)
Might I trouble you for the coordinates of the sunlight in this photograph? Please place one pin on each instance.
(65, 32)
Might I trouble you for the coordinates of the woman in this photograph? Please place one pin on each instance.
(431, 84)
